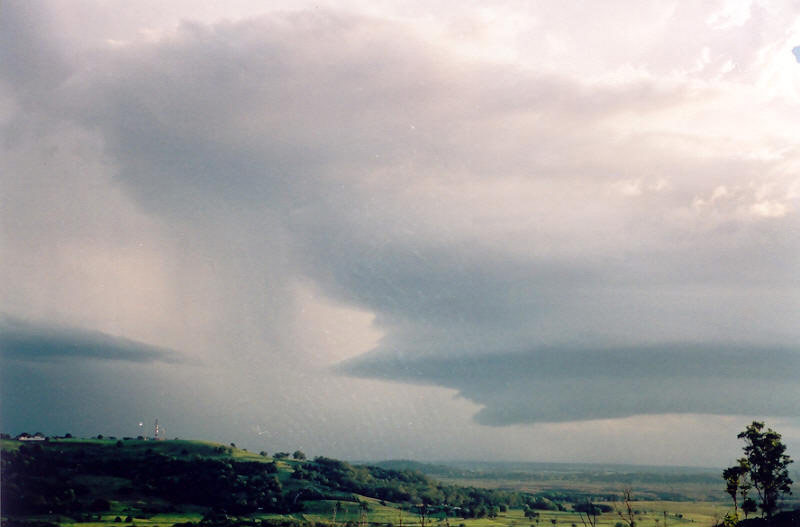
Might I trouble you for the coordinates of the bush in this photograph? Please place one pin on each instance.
(598, 508)
(543, 504)
(100, 505)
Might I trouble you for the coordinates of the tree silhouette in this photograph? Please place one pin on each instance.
(627, 515)
(765, 465)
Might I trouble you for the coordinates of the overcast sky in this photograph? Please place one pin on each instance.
(434, 230)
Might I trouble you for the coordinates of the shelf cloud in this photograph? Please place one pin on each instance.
(554, 385)
(32, 342)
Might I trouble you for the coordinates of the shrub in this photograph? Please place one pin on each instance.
(100, 505)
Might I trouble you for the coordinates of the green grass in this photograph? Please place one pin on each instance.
(702, 514)
(322, 511)
(162, 520)
(695, 514)
(10, 444)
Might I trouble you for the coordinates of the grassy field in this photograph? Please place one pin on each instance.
(651, 514)
(679, 514)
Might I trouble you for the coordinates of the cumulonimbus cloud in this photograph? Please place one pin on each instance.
(470, 206)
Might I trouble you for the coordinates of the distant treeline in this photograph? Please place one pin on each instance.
(414, 488)
(569, 472)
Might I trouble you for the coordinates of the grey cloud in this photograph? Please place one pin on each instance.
(280, 110)
(33, 62)
(85, 397)
(247, 113)
(315, 124)
(37, 342)
(436, 285)
(566, 384)
(303, 146)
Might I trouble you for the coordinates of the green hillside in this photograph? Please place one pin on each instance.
(107, 482)
(71, 481)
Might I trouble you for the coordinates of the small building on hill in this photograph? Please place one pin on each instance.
(28, 437)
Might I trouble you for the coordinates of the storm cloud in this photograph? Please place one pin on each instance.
(307, 203)
(575, 384)
(26, 341)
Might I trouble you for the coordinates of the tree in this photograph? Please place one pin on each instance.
(735, 478)
(765, 466)
(336, 508)
(591, 513)
(749, 506)
(363, 507)
(299, 455)
(423, 512)
(627, 515)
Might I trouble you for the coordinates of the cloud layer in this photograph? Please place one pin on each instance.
(24, 341)
(575, 384)
(507, 203)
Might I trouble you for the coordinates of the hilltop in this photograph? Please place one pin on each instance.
(88, 479)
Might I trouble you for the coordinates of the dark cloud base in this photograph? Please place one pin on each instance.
(29, 341)
(556, 385)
